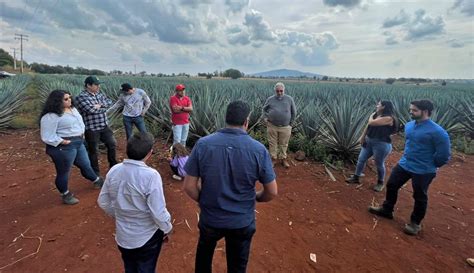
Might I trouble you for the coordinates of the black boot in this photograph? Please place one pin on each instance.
(380, 211)
(379, 186)
(353, 179)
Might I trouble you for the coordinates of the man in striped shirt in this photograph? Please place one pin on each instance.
(93, 106)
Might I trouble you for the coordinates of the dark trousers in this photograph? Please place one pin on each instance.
(128, 123)
(175, 170)
(237, 246)
(92, 138)
(420, 184)
(64, 156)
(144, 258)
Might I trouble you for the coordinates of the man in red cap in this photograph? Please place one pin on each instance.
(180, 106)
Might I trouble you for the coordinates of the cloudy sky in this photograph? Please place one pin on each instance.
(353, 38)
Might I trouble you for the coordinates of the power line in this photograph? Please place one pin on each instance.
(21, 37)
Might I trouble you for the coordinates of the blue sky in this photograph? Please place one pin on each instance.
(353, 38)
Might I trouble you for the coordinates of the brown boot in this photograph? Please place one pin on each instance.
(285, 163)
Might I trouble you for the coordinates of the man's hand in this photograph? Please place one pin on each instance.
(269, 191)
(97, 106)
(65, 142)
(177, 108)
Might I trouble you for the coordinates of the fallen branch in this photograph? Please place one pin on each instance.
(29, 255)
(375, 223)
(330, 192)
(329, 173)
(185, 220)
(359, 186)
(331, 165)
(447, 194)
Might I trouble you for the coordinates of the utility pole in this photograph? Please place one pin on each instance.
(14, 58)
(21, 37)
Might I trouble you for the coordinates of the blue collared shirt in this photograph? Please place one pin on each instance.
(54, 127)
(229, 163)
(427, 147)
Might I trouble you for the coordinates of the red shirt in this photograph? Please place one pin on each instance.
(182, 117)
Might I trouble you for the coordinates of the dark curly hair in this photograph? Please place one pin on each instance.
(55, 103)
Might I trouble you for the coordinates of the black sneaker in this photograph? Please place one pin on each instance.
(380, 211)
(353, 179)
(378, 187)
(69, 199)
(99, 183)
(412, 229)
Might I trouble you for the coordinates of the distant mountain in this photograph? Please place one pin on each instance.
(287, 73)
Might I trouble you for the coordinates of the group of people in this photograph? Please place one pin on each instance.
(221, 171)
(427, 148)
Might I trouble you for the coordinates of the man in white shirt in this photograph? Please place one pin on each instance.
(133, 194)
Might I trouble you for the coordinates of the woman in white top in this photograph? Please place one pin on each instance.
(62, 129)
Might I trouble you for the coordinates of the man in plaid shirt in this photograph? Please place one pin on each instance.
(92, 105)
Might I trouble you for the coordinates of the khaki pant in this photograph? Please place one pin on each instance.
(278, 138)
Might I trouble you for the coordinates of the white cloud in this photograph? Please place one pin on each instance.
(344, 3)
(420, 26)
(454, 43)
(399, 19)
(424, 25)
(237, 5)
(332, 37)
(258, 28)
(465, 6)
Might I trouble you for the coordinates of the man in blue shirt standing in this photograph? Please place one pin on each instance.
(427, 148)
(229, 163)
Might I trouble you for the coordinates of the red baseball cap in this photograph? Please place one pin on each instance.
(180, 87)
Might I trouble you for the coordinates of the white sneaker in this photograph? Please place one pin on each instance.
(177, 177)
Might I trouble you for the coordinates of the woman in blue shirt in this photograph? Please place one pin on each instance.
(376, 142)
(62, 130)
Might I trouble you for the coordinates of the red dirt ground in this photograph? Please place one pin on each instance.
(311, 215)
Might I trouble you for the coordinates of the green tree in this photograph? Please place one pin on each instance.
(5, 58)
(390, 81)
(232, 73)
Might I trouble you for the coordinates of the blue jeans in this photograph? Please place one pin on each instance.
(92, 139)
(180, 133)
(237, 246)
(64, 156)
(144, 258)
(128, 124)
(380, 150)
(420, 184)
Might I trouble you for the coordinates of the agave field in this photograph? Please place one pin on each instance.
(332, 115)
(11, 93)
